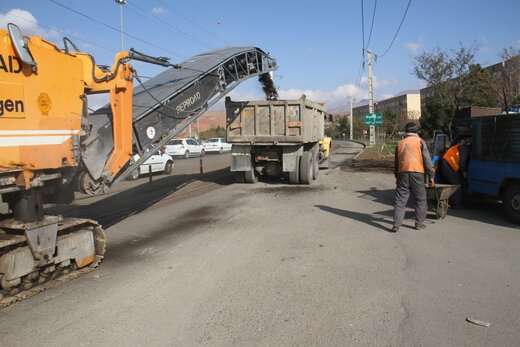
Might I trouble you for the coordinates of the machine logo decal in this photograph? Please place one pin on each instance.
(44, 103)
(150, 132)
(188, 102)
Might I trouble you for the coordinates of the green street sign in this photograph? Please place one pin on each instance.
(373, 118)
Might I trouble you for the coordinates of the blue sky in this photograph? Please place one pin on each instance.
(317, 43)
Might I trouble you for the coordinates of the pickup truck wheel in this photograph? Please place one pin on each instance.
(186, 154)
(306, 167)
(168, 168)
(294, 176)
(250, 176)
(512, 203)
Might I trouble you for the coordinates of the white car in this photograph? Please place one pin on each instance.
(217, 144)
(184, 148)
(159, 162)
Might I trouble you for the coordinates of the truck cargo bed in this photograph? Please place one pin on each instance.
(279, 122)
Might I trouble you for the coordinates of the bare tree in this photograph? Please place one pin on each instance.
(454, 81)
(507, 78)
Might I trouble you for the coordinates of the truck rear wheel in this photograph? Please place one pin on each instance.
(306, 167)
(512, 203)
(294, 176)
(250, 176)
(315, 162)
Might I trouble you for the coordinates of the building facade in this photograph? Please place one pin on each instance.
(506, 73)
(406, 106)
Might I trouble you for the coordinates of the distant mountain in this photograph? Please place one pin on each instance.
(209, 120)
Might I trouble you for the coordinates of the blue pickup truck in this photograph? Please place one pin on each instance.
(494, 166)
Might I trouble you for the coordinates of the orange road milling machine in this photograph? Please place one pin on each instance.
(51, 146)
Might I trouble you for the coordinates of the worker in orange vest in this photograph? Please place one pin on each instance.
(412, 164)
(453, 168)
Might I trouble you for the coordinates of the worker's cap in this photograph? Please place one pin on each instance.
(411, 127)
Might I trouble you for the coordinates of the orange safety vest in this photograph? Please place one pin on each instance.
(452, 157)
(409, 154)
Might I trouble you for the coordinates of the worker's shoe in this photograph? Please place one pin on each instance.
(420, 226)
(394, 229)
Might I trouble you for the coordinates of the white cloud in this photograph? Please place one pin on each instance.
(27, 23)
(336, 99)
(413, 47)
(159, 11)
(335, 96)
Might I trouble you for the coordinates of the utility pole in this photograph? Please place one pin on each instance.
(372, 128)
(121, 3)
(351, 118)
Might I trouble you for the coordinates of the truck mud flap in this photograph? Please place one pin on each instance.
(241, 159)
(290, 157)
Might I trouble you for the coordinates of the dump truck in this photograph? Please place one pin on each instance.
(275, 138)
(51, 146)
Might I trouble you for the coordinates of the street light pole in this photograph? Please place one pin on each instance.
(372, 128)
(121, 3)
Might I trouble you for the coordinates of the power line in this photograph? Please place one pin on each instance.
(141, 11)
(112, 50)
(398, 29)
(95, 20)
(372, 25)
(48, 28)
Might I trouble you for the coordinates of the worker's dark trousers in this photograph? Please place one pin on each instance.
(410, 182)
(451, 177)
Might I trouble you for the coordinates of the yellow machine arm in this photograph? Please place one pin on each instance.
(43, 113)
(119, 83)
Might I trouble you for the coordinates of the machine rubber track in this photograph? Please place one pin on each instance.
(52, 275)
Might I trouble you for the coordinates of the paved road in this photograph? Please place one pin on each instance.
(280, 265)
(131, 197)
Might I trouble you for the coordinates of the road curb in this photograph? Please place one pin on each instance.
(360, 152)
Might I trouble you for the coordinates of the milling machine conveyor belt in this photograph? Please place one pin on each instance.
(167, 103)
